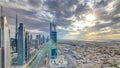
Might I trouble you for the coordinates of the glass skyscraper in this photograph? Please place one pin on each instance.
(21, 44)
(27, 46)
(53, 38)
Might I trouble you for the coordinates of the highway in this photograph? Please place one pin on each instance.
(40, 57)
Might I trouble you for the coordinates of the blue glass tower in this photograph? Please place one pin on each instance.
(47, 39)
(31, 39)
(37, 41)
(27, 46)
(53, 32)
(0, 36)
(43, 39)
(21, 44)
(0, 49)
(53, 38)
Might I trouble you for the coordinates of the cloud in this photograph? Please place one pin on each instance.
(35, 3)
(69, 15)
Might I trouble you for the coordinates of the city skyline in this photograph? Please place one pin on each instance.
(60, 34)
(83, 19)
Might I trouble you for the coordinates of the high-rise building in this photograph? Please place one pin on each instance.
(27, 46)
(5, 44)
(0, 46)
(21, 44)
(37, 41)
(16, 32)
(0, 35)
(47, 39)
(31, 43)
(53, 32)
(43, 39)
(53, 38)
(37, 38)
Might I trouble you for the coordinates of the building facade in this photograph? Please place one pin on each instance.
(0, 48)
(5, 44)
(53, 32)
(53, 38)
(27, 46)
(21, 44)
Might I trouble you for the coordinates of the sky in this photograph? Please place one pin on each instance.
(75, 19)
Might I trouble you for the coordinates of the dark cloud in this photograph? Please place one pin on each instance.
(81, 8)
(62, 7)
(63, 22)
(35, 3)
(37, 14)
(102, 3)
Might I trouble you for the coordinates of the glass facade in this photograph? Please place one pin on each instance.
(53, 38)
(21, 45)
(54, 53)
(27, 46)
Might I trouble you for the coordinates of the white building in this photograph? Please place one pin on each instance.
(5, 44)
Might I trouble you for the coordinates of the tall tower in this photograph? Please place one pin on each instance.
(47, 39)
(37, 41)
(16, 32)
(21, 44)
(0, 38)
(1, 23)
(53, 32)
(31, 40)
(5, 44)
(27, 46)
(42, 39)
(53, 38)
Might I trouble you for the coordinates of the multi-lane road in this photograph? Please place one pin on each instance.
(40, 57)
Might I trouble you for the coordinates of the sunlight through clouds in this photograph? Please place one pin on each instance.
(86, 19)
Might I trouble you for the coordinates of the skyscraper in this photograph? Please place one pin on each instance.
(42, 39)
(47, 39)
(16, 32)
(21, 44)
(0, 35)
(53, 32)
(31, 39)
(37, 41)
(53, 38)
(0, 39)
(27, 46)
(5, 44)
